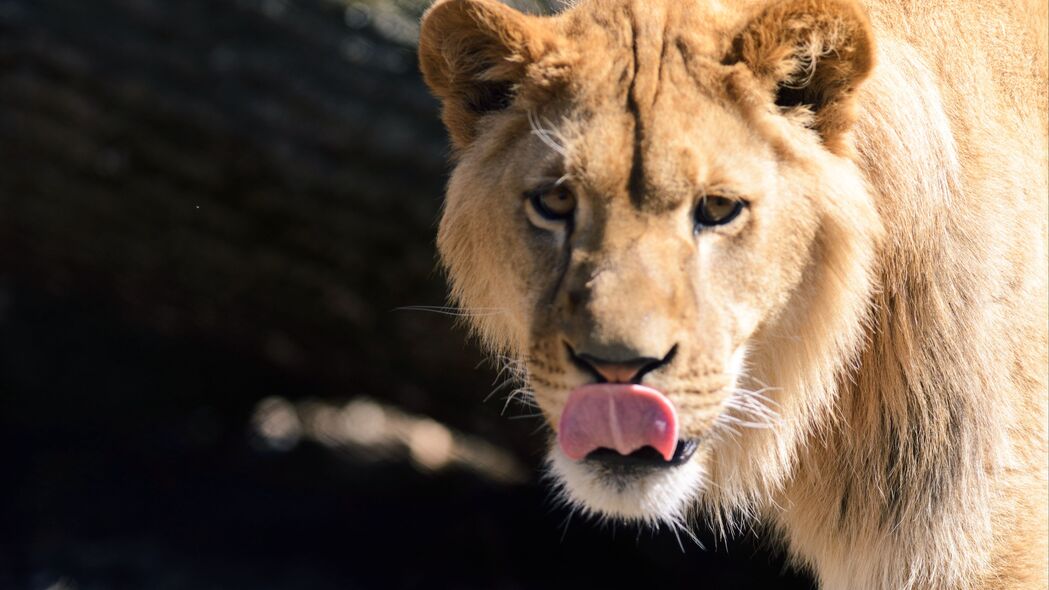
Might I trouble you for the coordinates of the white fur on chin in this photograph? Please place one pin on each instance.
(663, 496)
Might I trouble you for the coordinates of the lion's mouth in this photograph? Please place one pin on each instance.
(622, 425)
(619, 452)
(645, 458)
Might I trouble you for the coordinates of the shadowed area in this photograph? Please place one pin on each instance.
(209, 213)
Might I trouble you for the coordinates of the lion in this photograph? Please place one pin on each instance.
(776, 262)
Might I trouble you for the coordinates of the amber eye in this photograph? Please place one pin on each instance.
(555, 203)
(715, 210)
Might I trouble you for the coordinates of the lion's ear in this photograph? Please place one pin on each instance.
(811, 53)
(472, 54)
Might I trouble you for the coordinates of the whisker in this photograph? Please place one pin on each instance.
(498, 388)
(674, 528)
(454, 311)
(721, 426)
(541, 427)
(525, 416)
(682, 525)
(545, 135)
(519, 395)
(753, 419)
(758, 395)
(748, 424)
(752, 407)
(567, 521)
(516, 367)
(731, 429)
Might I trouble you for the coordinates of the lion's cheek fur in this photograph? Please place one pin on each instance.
(481, 249)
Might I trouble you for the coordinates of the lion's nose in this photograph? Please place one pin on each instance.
(628, 370)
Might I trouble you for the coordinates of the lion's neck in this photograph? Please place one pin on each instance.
(906, 485)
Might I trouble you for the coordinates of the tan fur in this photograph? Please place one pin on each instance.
(863, 352)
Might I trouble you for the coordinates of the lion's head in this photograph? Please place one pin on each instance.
(653, 209)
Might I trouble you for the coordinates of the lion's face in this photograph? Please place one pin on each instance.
(630, 206)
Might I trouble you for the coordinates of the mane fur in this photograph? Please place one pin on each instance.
(906, 481)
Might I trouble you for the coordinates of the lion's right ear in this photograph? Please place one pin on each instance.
(472, 54)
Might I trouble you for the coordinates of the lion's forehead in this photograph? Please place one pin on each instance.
(648, 113)
(629, 55)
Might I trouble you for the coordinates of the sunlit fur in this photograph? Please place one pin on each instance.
(664, 496)
(863, 352)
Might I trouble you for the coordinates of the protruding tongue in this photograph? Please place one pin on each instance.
(621, 417)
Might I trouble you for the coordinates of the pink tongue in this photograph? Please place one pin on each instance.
(622, 417)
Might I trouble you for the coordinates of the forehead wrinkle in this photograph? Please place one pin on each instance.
(672, 156)
(649, 29)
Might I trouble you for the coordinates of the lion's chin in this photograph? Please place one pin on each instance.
(650, 496)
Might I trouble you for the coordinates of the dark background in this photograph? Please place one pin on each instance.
(210, 211)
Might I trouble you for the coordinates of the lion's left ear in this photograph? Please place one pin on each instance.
(811, 53)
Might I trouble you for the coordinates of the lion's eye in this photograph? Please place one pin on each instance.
(553, 203)
(715, 210)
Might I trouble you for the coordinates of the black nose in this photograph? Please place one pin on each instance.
(630, 370)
